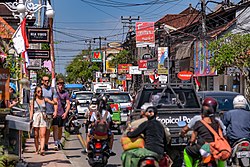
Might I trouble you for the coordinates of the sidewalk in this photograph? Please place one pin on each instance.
(51, 159)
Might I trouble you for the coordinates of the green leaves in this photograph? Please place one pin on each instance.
(230, 51)
(123, 57)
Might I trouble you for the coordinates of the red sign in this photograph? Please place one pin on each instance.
(123, 68)
(143, 64)
(185, 75)
(128, 77)
(145, 34)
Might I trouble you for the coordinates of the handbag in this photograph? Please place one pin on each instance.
(132, 143)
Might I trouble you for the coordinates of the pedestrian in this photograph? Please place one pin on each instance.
(63, 110)
(51, 110)
(39, 117)
(13, 97)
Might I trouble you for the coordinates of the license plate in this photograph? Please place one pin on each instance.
(97, 159)
(243, 154)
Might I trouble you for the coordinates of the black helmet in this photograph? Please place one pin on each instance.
(152, 109)
(212, 104)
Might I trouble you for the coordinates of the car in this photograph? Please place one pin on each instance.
(224, 98)
(83, 99)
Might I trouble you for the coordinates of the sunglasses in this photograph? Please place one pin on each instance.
(39, 91)
(46, 80)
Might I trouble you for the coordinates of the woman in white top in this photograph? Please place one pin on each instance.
(38, 115)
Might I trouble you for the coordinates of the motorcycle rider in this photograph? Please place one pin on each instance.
(237, 121)
(201, 134)
(154, 136)
(96, 116)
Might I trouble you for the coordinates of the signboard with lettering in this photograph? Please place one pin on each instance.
(35, 64)
(4, 85)
(38, 35)
(134, 70)
(152, 64)
(96, 56)
(123, 68)
(145, 34)
(38, 54)
(142, 64)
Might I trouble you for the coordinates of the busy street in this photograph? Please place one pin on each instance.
(124, 83)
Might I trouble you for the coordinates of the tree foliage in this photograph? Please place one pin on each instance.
(232, 50)
(123, 57)
(80, 69)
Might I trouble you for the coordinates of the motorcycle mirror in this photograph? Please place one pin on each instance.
(73, 96)
(181, 123)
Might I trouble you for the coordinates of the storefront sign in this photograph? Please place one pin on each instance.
(128, 77)
(134, 70)
(38, 35)
(149, 72)
(96, 56)
(152, 64)
(38, 54)
(185, 75)
(162, 55)
(145, 34)
(35, 64)
(142, 65)
(123, 68)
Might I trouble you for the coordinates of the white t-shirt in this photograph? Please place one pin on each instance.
(93, 116)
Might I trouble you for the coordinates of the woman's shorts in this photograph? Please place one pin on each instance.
(38, 120)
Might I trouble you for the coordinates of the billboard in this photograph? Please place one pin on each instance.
(145, 35)
(201, 60)
(110, 69)
(162, 55)
(123, 68)
(96, 56)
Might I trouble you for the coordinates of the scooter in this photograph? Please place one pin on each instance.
(72, 125)
(148, 162)
(98, 151)
(198, 162)
(240, 154)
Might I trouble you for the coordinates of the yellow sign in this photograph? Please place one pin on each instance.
(109, 69)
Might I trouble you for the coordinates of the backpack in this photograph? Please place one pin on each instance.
(101, 128)
(219, 148)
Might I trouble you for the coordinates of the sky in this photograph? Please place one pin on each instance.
(78, 21)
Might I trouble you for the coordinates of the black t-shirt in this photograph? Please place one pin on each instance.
(154, 135)
(203, 134)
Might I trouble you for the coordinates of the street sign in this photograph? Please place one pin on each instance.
(38, 35)
(114, 44)
(123, 68)
(134, 70)
(38, 54)
(152, 64)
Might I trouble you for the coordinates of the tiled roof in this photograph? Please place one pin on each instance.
(6, 31)
(181, 20)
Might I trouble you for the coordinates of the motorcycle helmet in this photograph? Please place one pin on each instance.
(240, 102)
(212, 105)
(94, 101)
(13, 86)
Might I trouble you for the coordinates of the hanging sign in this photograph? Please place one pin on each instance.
(96, 56)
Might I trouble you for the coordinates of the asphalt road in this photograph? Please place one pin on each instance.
(76, 143)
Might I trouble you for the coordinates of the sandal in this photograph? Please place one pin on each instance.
(38, 151)
(42, 153)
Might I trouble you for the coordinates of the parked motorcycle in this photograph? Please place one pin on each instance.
(240, 154)
(72, 125)
(98, 151)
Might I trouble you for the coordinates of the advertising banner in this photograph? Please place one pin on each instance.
(128, 77)
(201, 60)
(96, 56)
(162, 55)
(142, 65)
(145, 35)
(123, 68)
(110, 69)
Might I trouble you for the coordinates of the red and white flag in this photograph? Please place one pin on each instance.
(21, 43)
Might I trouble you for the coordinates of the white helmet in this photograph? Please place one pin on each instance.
(240, 102)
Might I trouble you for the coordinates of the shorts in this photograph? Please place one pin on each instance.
(49, 120)
(59, 121)
(38, 120)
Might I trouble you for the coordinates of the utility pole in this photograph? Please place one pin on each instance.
(89, 43)
(100, 49)
(130, 21)
(203, 13)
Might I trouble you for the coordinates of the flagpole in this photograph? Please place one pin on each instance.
(52, 53)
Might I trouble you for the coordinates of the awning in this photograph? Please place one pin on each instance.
(184, 50)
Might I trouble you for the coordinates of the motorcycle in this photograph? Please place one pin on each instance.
(148, 162)
(72, 125)
(98, 151)
(197, 162)
(240, 154)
